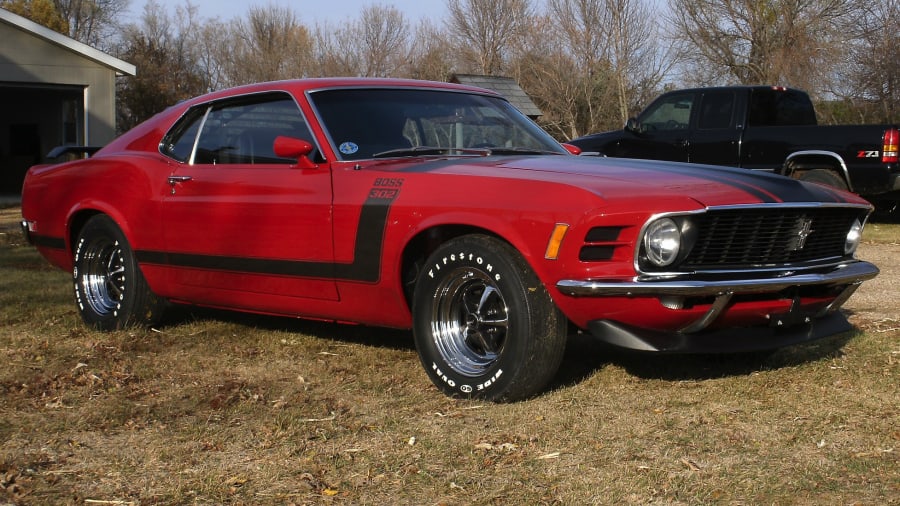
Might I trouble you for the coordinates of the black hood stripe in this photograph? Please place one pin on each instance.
(759, 184)
(765, 186)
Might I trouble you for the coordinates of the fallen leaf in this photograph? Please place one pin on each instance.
(690, 464)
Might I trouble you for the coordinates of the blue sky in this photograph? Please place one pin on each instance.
(308, 11)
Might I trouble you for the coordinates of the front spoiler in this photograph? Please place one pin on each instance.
(733, 340)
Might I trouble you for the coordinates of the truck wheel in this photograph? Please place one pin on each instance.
(483, 323)
(826, 177)
(110, 290)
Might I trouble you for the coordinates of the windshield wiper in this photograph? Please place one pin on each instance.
(431, 150)
(522, 151)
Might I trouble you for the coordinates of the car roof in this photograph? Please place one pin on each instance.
(299, 86)
(734, 87)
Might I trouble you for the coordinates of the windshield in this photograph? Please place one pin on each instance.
(363, 123)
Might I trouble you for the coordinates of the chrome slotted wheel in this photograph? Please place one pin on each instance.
(470, 321)
(103, 276)
(110, 290)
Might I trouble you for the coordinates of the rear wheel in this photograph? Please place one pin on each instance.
(826, 177)
(110, 290)
(484, 324)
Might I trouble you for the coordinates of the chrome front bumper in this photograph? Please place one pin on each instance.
(844, 274)
(848, 275)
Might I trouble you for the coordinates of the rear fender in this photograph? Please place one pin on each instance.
(815, 159)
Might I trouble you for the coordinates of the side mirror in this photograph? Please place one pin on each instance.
(298, 149)
(632, 125)
(571, 148)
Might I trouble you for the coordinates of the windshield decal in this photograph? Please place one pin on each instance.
(348, 148)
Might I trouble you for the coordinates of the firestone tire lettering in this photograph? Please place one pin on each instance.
(484, 325)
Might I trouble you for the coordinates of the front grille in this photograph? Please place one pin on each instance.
(745, 238)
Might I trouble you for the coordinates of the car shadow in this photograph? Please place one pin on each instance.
(345, 333)
(586, 356)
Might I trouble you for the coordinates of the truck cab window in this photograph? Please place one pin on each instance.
(777, 107)
(716, 110)
(672, 112)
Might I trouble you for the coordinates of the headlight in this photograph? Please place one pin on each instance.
(662, 242)
(853, 237)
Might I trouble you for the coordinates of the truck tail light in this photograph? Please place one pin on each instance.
(889, 153)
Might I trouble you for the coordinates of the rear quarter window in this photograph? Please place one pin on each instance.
(774, 107)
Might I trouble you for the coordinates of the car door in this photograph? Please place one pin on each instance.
(715, 138)
(662, 131)
(244, 227)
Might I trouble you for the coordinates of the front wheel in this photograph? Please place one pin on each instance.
(484, 325)
(110, 290)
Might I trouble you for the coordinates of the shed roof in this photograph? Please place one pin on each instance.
(121, 67)
(505, 86)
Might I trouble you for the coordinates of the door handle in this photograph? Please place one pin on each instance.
(173, 180)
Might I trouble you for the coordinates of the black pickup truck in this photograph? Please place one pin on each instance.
(760, 127)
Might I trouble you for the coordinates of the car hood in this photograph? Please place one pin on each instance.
(616, 178)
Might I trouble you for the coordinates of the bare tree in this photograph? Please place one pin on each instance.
(93, 22)
(637, 61)
(166, 61)
(429, 58)
(614, 61)
(870, 77)
(790, 42)
(208, 53)
(555, 81)
(269, 44)
(485, 31)
(374, 45)
(386, 39)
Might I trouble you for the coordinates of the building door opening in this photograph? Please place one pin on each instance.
(36, 118)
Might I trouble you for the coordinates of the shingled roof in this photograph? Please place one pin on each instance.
(505, 86)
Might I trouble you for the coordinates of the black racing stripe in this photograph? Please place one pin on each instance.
(719, 175)
(238, 264)
(48, 242)
(758, 184)
(366, 265)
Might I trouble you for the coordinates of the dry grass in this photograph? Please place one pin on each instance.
(222, 408)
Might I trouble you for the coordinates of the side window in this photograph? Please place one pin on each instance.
(672, 112)
(179, 142)
(716, 110)
(778, 107)
(240, 131)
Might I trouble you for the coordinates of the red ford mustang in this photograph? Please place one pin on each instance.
(442, 209)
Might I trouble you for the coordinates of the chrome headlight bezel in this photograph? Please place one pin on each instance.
(662, 242)
(854, 237)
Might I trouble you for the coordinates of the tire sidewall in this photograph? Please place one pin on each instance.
(824, 177)
(102, 228)
(498, 263)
